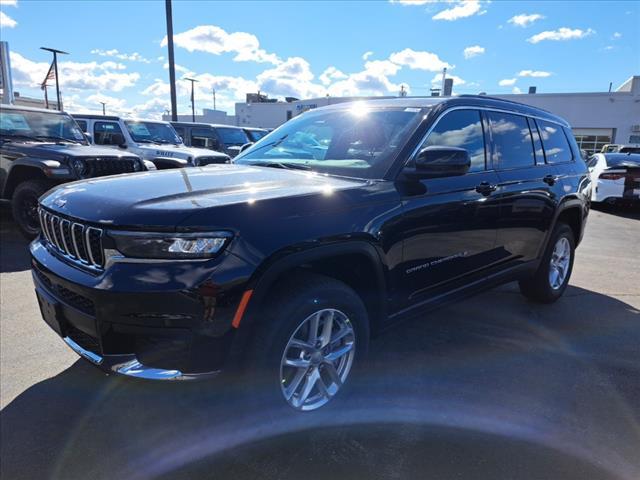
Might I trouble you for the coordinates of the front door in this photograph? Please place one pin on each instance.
(449, 223)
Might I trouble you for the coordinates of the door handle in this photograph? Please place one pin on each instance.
(550, 180)
(485, 188)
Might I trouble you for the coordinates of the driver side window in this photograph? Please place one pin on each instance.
(462, 129)
(104, 132)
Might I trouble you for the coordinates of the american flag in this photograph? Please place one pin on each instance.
(51, 75)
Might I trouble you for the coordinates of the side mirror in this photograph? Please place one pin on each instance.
(437, 161)
(118, 139)
(245, 146)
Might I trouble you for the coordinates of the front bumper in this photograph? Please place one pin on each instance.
(169, 320)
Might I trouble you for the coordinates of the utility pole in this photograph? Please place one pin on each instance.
(214, 98)
(444, 77)
(172, 65)
(193, 102)
(103, 108)
(55, 69)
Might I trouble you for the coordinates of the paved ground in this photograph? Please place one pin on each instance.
(493, 387)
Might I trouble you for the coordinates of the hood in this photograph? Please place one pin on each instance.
(166, 199)
(54, 151)
(177, 151)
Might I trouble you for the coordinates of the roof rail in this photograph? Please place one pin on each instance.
(490, 97)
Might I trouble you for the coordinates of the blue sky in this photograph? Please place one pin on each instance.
(305, 49)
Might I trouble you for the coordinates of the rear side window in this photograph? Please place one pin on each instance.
(82, 124)
(180, 131)
(556, 145)
(512, 142)
(462, 129)
(202, 137)
(103, 133)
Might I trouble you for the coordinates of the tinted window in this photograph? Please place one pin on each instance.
(103, 133)
(233, 136)
(82, 124)
(202, 137)
(462, 129)
(556, 146)
(512, 144)
(180, 131)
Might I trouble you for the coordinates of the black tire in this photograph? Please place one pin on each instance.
(538, 288)
(24, 206)
(291, 303)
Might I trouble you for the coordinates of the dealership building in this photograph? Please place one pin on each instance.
(597, 118)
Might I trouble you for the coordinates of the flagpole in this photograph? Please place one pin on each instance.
(55, 68)
(46, 97)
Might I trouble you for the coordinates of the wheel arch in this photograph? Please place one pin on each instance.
(21, 172)
(356, 263)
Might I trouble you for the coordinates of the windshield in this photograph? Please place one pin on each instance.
(232, 136)
(27, 125)
(152, 132)
(356, 142)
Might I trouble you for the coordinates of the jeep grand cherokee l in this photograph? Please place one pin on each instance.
(337, 224)
(41, 148)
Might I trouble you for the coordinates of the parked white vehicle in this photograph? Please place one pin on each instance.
(615, 177)
(154, 141)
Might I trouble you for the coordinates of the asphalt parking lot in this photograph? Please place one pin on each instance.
(493, 387)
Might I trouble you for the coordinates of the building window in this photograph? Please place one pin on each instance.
(592, 143)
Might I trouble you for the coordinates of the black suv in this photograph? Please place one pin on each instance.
(41, 148)
(342, 221)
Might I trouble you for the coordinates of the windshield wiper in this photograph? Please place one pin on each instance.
(275, 143)
(287, 165)
(19, 136)
(55, 137)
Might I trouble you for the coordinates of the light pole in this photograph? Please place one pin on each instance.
(55, 69)
(103, 107)
(172, 65)
(214, 98)
(193, 103)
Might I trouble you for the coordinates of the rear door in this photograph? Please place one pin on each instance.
(529, 186)
(105, 132)
(449, 223)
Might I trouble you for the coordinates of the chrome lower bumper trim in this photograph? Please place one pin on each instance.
(92, 357)
(131, 366)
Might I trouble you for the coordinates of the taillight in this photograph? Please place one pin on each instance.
(611, 176)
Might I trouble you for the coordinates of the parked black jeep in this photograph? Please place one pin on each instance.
(342, 221)
(42, 148)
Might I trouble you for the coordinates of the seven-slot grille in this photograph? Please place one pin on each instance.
(79, 242)
(101, 166)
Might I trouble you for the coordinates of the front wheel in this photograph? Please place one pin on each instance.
(552, 277)
(24, 206)
(315, 331)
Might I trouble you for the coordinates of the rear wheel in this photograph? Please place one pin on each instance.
(24, 206)
(304, 351)
(552, 277)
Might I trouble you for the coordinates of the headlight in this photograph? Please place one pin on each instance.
(177, 245)
(79, 166)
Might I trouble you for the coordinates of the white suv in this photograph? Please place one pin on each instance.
(154, 141)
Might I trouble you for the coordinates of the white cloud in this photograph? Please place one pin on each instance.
(215, 40)
(462, 9)
(419, 60)
(562, 33)
(534, 73)
(6, 21)
(133, 57)
(436, 81)
(507, 82)
(366, 55)
(516, 90)
(473, 51)
(524, 20)
(330, 74)
(293, 77)
(616, 35)
(74, 75)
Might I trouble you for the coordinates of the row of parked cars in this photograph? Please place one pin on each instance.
(42, 148)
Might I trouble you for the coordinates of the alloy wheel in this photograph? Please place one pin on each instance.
(317, 359)
(559, 263)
